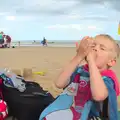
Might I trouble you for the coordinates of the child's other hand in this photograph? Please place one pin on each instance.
(85, 47)
(91, 56)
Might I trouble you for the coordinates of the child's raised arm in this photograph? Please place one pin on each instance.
(63, 79)
(82, 51)
(98, 87)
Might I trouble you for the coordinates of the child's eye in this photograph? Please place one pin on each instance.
(102, 48)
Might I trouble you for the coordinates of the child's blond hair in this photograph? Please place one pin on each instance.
(116, 45)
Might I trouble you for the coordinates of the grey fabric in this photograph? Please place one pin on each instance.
(17, 82)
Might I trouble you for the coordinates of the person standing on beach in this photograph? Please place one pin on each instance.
(1, 38)
(34, 41)
(8, 40)
(18, 43)
(44, 42)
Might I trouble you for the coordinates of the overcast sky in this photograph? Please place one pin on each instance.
(59, 19)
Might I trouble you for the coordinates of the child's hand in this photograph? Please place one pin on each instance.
(85, 47)
(91, 56)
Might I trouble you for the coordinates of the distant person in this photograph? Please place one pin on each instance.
(8, 40)
(34, 41)
(19, 43)
(44, 42)
(1, 38)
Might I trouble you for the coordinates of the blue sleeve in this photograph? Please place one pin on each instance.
(108, 82)
(112, 98)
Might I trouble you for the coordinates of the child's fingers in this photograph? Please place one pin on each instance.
(88, 50)
(89, 43)
(85, 44)
(77, 46)
(84, 39)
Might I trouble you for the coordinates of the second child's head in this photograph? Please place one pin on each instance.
(106, 51)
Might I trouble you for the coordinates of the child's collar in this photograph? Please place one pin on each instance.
(86, 67)
(108, 73)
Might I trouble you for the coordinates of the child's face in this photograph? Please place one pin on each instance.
(103, 50)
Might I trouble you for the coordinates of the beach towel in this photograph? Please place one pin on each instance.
(63, 104)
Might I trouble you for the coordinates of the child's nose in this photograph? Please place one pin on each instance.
(96, 48)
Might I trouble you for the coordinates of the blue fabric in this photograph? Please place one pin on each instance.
(112, 99)
(65, 101)
(59, 103)
(94, 111)
(86, 110)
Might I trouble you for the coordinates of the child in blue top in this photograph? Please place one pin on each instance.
(91, 84)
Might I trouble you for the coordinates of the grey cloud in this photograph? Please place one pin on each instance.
(95, 18)
(99, 18)
(97, 1)
(20, 7)
(91, 1)
(115, 4)
(102, 19)
(41, 11)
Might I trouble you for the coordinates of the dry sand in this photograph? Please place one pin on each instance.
(46, 59)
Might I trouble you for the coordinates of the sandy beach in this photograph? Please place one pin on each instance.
(48, 59)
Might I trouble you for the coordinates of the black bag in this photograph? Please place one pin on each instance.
(29, 104)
